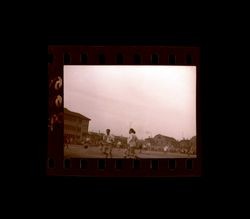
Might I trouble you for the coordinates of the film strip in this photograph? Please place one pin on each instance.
(57, 164)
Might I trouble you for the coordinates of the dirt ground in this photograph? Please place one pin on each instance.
(79, 151)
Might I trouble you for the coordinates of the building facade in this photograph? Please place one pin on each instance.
(75, 126)
(162, 140)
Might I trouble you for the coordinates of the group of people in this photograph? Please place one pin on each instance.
(108, 143)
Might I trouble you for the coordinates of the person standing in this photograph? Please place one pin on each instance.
(108, 143)
(132, 142)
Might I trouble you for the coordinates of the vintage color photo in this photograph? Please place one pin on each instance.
(129, 111)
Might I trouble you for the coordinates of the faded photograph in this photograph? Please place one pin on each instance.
(129, 111)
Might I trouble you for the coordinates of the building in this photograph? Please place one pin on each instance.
(193, 141)
(184, 144)
(193, 145)
(159, 141)
(75, 126)
(162, 140)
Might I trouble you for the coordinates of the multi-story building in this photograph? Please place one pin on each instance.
(75, 126)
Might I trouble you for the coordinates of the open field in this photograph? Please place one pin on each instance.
(79, 151)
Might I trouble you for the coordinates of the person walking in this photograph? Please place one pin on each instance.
(132, 142)
(108, 140)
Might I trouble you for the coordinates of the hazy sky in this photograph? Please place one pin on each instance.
(151, 99)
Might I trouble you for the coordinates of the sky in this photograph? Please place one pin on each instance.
(150, 99)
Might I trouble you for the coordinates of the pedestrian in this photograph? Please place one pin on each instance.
(132, 142)
(108, 140)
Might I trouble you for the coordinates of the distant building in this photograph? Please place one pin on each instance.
(162, 140)
(184, 144)
(122, 139)
(149, 141)
(193, 141)
(159, 141)
(193, 145)
(75, 125)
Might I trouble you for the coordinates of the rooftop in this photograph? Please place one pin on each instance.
(166, 137)
(76, 114)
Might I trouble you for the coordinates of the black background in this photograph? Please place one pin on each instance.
(145, 186)
(220, 93)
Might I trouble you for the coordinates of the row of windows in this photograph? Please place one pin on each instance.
(71, 128)
(83, 126)
(72, 118)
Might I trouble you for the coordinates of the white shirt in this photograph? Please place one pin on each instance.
(132, 140)
(108, 138)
